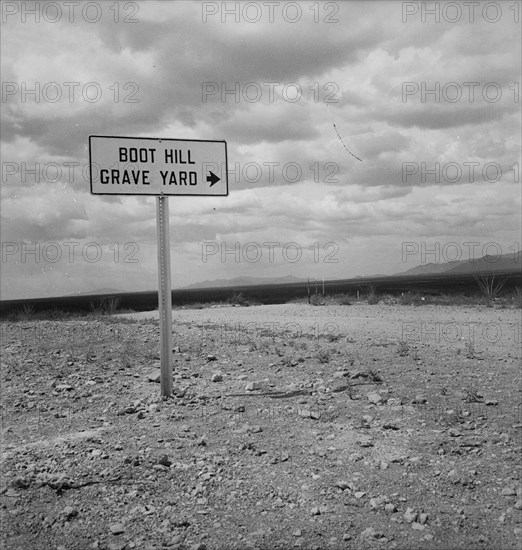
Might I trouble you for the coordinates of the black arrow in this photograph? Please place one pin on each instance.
(213, 179)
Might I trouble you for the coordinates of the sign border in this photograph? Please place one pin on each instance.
(154, 194)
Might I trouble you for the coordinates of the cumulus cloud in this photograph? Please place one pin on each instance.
(290, 93)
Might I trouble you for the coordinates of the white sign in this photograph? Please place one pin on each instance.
(161, 167)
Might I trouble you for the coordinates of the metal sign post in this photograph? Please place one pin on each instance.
(164, 294)
(162, 167)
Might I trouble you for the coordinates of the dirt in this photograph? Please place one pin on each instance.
(291, 426)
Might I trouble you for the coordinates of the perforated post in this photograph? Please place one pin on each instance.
(164, 295)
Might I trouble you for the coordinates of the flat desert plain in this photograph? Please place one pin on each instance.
(290, 426)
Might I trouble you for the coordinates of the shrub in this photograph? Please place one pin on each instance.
(489, 287)
(372, 296)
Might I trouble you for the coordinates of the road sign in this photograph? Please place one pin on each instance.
(161, 167)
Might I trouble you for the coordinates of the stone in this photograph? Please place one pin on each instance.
(251, 386)
(165, 461)
(509, 491)
(370, 533)
(375, 398)
(419, 400)
(390, 508)
(154, 376)
(377, 502)
(69, 512)
(117, 528)
(395, 401)
(176, 540)
(365, 441)
(217, 377)
(410, 515)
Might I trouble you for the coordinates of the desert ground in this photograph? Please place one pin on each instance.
(290, 426)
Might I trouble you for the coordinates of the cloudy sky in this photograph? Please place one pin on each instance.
(360, 136)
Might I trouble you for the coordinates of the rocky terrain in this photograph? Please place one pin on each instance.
(291, 426)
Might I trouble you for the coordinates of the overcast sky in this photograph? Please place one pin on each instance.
(405, 86)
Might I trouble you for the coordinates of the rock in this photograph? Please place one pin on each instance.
(211, 358)
(390, 508)
(297, 533)
(255, 429)
(365, 441)
(491, 402)
(518, 505)
(217, 377)
(410, 515)
(69, 512)
(176, 540)
(315, 415)
(377, 502)
(165, 461)
(344, 485)
(359, 494)
(20, 482)
(251, 386)
(375, 398)
(390, 426)
(453, 432)
(417, 526)
(359, 374)
(370, 533)
(126, 410)
(509, 491)
(117, 528)
(346, 536)
(315, 511)
(154, 376)
(423, 518)
(395, 401)
(419, 400)
(154, 408)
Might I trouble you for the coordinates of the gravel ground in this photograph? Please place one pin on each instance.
(291, 426)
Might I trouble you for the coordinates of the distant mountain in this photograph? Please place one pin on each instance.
(505, 262)
(246, 281)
